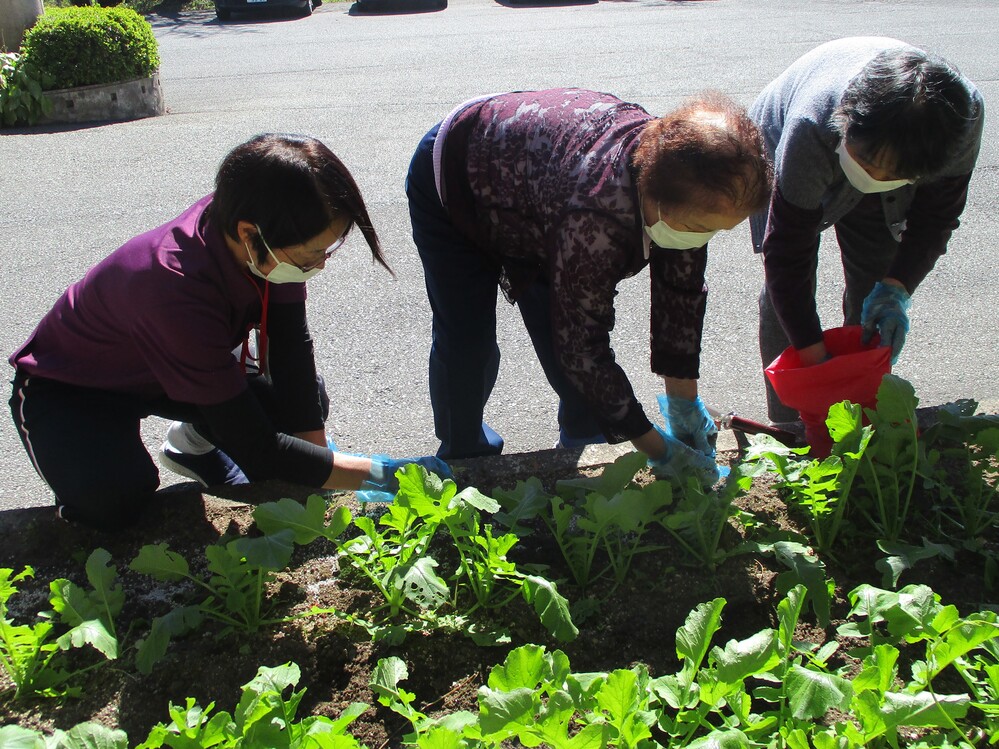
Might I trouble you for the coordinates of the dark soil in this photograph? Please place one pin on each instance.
(636, 624)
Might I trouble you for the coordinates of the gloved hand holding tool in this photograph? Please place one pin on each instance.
(681, 460)
(736, 423)
(382, 483)
(689, 421)
(886, 310)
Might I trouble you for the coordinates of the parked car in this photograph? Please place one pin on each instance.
(397, 6)
(225, 8)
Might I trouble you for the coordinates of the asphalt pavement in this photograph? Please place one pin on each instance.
(371, 85)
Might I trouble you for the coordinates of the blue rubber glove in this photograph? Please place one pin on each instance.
(886, 310)
(681, 461)
(689, 422)
(382, 483)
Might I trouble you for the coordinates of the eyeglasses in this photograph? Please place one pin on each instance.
(327, 253)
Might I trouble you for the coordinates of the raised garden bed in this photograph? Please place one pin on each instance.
(633, 621)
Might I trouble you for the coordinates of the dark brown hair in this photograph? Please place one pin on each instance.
(292, 187)
(686, 160)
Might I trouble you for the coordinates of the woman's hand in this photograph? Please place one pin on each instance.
(814, 354)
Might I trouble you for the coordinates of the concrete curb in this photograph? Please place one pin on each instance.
(111, 102)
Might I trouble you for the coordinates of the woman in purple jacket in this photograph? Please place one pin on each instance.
(201, 320)
(556, 197)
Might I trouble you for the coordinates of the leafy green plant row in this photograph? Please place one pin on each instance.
(264, 719)
(35, 656)
(769, 689)
(431, 557)
(916, 493)
(395, 556)
(601, 524)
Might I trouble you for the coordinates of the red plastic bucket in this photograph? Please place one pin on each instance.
(854, 373)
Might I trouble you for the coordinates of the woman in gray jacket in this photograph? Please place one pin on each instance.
(878, 139)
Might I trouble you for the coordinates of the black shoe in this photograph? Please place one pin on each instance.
(214, 468)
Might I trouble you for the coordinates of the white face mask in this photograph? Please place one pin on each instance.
(282, 272)
(859, 177)
(669, 238)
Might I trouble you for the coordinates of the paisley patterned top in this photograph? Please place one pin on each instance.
(542, 183)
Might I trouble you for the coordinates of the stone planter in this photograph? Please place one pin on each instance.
(16, 17)
(111, 102)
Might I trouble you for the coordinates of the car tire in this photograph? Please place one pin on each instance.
(223, 14)
(307, 9)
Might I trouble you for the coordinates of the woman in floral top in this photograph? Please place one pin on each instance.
(557, 196)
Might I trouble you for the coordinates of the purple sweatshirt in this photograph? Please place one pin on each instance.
(542, 183)
(161, 315)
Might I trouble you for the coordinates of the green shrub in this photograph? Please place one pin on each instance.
(21, 99)
(91, 45)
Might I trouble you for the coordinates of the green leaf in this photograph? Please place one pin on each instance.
(741, 659)
(525, 501)
(961, 640)
(161, 563)
(71, 602)
(525, 666)
(505, 712)
(624, 699)
(347, 716)
(275, 679)
(902, 557)
(592, 736)
(387, 675)
(812, 693)
(807, 569)
(307, 522)
(262, 696)
(728, 738)
(7, 587)
(694, 638)
(175, 623)
(439, 737)
(272, 552)
(879, 670)
(16, 737)
(897, 400)
(552, 609)
(613, 479)
(102, 576)
(923, 709)
(474, 498)
(908, 613)
(423, 586)
(385, 684)
(91, 632)
(89, 736)
(844, 419)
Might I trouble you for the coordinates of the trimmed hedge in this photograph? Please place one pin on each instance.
(91, 45)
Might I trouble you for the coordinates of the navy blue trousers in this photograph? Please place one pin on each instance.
(464, 355)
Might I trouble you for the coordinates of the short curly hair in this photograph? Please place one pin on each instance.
(703, 154)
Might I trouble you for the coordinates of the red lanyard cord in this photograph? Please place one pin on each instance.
(261, 359)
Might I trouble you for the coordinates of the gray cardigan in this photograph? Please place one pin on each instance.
(812, 193)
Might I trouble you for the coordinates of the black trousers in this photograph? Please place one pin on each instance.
(86, 445)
